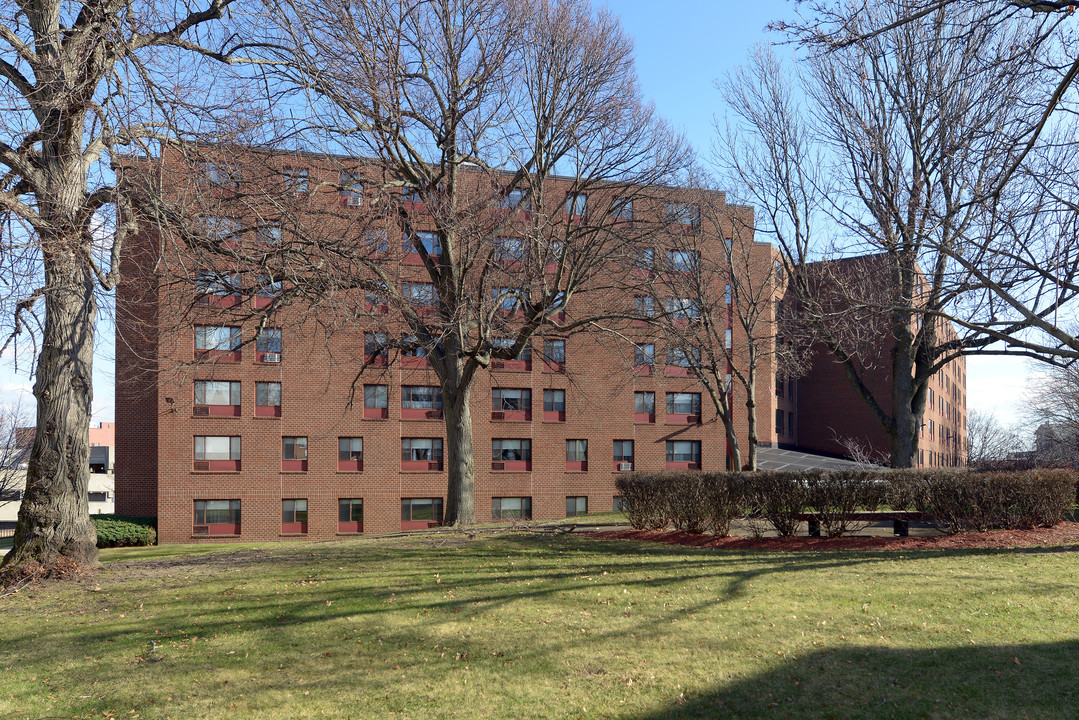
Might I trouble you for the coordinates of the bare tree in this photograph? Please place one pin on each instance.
(1029, 263)
(78, 82)
(508, 139)
(14, 451)
(721, 303)
(904, 136)
(988, 440)
(1052, 408)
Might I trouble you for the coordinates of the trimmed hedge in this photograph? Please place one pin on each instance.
(956, 500)
(124, 531)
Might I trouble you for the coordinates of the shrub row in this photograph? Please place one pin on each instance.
(124, 531)
(956, 500)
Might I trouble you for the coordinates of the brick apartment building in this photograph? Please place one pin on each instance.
(238, 425)
(225, 436)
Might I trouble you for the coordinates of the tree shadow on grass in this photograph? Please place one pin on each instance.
(1038, 681)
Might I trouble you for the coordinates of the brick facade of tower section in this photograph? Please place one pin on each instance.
(319, 374)
(833, 415)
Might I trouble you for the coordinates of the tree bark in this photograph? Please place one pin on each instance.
(751, 411)
(460, 462)
(54, 532)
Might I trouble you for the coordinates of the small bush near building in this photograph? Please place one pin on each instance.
(124, 531)
(644, 499)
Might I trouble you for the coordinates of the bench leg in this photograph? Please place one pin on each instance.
(901, 527)
(814, 528)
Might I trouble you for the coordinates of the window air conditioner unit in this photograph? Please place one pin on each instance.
(498, 466)
(495, 364)
(434, 414)
(434, 466)
(202, 465)
(271, 357)
(498, 415)
(201, 410)
(355, 200)
(201, 530)
(625, 466)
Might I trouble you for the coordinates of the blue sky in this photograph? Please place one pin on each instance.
(681, 49)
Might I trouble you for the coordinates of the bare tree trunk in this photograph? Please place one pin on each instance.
(751, 412)
(54, 529)
(460, 463)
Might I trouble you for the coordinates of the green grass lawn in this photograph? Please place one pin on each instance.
(530, 626)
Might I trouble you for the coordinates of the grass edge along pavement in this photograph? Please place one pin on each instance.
(538, 626)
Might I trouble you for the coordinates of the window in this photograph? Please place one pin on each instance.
(509, 248)
(217, 447)
(509, 299)
(683, 403)
(511, 399)
(576, 454)
(683, 260)
(686, 454)
(619, 506)
(511, 508)
(218, 284)
(779, 422)
(644, 306)
(644, 403)
(576, 204)
(683, 214)
(790, 424)
(429, 241)
(421, 453)
(268, 340)
(515, 199)
(622, 209)
(376, 297)
(554, 351)
(681, 308)
(684, 357)
(644, 258)
(419, 293)
(295, 179)
(209, 338)
(421, 401)
(351, 189)
(217, 517)
(727, 339)
(421, 397)
(375, 401)
(411, 347)
(377, 241)
(218, 228)
(554, 405)
(623, 455)
(727, 293)
(411, 195)
(294, 454)
(219, 174)
(420, 512)
(294, 448)
(268, 287)
(644, 354)
(511, 454)
(374, 346)
(507, 343)
(294, 516)
(217, 392)
(576, 505)
(349, 454)
(269, 233)
(350, 515)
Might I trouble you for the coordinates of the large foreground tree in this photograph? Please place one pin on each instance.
(908, 127)
(78, 81)
(512, 140)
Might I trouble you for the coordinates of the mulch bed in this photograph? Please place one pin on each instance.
(1066, 533)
